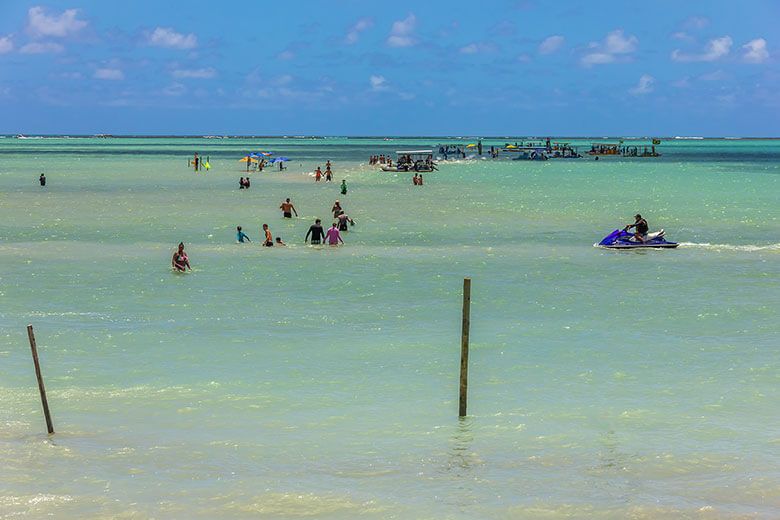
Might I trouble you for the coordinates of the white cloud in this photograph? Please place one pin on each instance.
(287, 55)
(477, 48)
(175, 89)
(552, 44)
(645, 85)
(682, 83)
(41, 48)
(109, 74)
(617, 43)
(755, 51)
(6, 45)
(353, 34)
(39, 24)
(167, 37)
(402, 32)
(378, 83)
(615, 48)
(714, 50)
(718, 75)
(204, 73)
(682, 35)
(696, 22)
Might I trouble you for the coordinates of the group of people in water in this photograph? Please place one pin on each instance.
(417, 180)
(380, 159)
(328, 173)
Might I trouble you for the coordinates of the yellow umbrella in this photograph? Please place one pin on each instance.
(470, 145)
(511, 146)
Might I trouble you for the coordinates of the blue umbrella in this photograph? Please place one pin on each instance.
(279, 159)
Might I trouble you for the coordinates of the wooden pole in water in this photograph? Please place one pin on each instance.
(464, 346)
(31, 335)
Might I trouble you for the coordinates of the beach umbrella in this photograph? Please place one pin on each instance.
(470, 145)
(511, 146)
(265, 154)
(279, 159)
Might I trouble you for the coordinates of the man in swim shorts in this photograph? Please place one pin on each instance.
(240, 235)
(286, 208)
(316, 233)
(269, 238)
(180, 261)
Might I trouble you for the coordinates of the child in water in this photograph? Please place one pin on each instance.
(240, 235)
(279, 242)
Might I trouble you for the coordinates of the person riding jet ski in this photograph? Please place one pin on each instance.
(641, 228)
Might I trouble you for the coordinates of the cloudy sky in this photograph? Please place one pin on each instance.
(497, 67)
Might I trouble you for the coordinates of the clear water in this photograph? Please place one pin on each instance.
(323, 383)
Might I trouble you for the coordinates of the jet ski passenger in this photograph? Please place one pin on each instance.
(641, 228)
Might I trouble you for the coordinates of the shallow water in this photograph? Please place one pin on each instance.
(322, 383)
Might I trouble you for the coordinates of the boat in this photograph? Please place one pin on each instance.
(607, 149)
(530, 154)
(622, 239)
(637, 151)
(420, 161)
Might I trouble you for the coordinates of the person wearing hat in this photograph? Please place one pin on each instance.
(336, 209)
(641, 228)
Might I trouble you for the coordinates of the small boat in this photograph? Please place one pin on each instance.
(622, 239)
(636, 151)
(420, 161)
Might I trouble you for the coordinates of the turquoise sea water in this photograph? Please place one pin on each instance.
(306, 382)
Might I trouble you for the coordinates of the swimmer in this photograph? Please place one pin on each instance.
(241, 183)
(240, 235)
(419, 181)
(316, 232)
(336, 209)
(343, 187)
(286, 207)
(317, 174)
(269, 239)
(42, 180)
(333, 236)
(180, 261)
(279, 242)
(343, 218)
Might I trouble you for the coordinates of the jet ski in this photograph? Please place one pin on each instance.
(622, 239)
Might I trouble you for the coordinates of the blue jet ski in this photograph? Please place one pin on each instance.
(621, 239)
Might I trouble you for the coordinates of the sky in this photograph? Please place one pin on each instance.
(362, 67)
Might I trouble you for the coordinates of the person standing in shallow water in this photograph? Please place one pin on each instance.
(240, 235)
(343, 187)
(287, 209)
(42, 180)
(333, 236)
(180, 261)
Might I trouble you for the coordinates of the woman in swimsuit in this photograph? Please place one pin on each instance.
(180, 261)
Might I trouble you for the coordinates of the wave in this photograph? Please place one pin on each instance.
(731, 247)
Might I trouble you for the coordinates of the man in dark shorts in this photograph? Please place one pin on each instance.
(316, 232)
(269, 238)
(641, 228)
(288, 209)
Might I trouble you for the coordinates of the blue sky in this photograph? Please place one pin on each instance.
(502, 67)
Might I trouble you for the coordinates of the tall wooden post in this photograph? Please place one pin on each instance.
(31, 335)
(464, 346)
